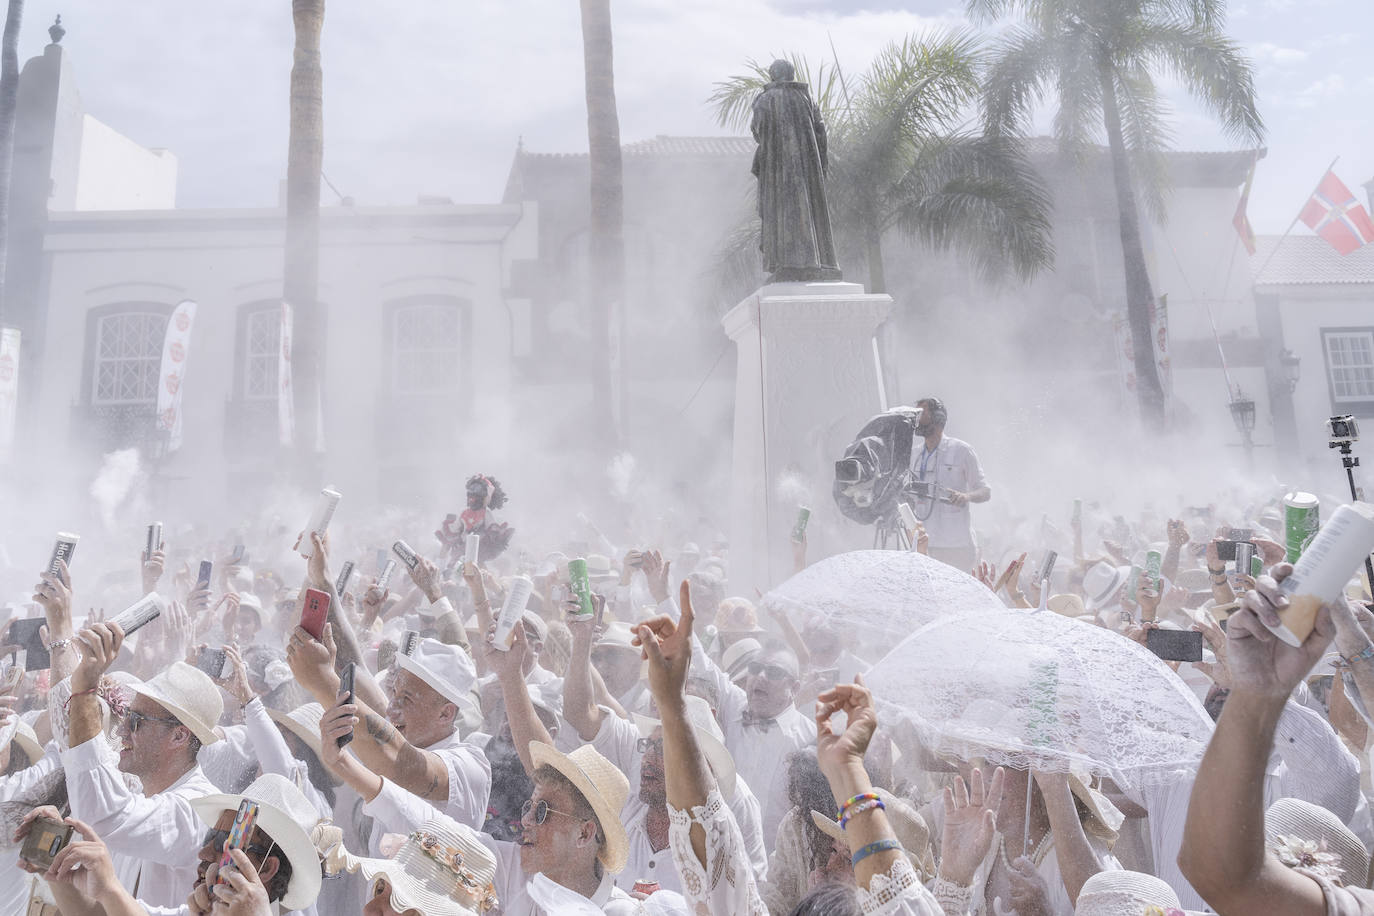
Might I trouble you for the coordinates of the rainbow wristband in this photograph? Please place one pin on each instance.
(860, 808)
(866, 796)
(872, 848)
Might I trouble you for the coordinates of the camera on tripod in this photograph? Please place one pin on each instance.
(1342, 431)
(875, 473)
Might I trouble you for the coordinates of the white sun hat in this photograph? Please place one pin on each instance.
(1117, 892)
(285, 815)
(27, 741)
(189, 694)
(303, 722)
(709, 736)
(442, 869)
(446, 668)
(603, 786)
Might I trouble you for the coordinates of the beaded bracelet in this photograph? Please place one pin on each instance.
(872, 848)
(866, 796)
(1365, 653)
(60, 643)
(860, 808)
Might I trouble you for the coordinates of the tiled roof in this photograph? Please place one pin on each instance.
(1306, 260)
(664, 145)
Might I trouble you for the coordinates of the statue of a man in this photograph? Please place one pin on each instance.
(790, 165)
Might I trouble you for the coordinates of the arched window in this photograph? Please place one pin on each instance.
(128, 356)
(427, 345)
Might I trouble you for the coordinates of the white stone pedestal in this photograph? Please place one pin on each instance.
(805, 382)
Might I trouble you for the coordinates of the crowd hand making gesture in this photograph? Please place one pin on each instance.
(241, 894)
(152, 567)
(235, 681)
(970, 824)
(656, 573)
(373, 600)
(317, 566)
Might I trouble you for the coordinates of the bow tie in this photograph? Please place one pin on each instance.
(762, 723)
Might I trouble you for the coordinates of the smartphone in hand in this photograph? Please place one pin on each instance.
(244, 820)
(1175, 645)
(212, 661)
(45, 840)
(346, 695)
(24, 633)
(314, 612)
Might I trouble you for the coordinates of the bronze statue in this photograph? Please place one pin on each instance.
(790, 165)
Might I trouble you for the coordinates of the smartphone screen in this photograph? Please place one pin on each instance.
(1175, 645)
(24, 634)
(211, 661)
(314, 610)
(203, 577)
(1226, 551)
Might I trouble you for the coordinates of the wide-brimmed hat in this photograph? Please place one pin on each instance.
(446, 668)
(603, 786)
(189, 694)
(1124, 893)
(27, 740)
(709, 737)
(1101, 583)
(618, 635)
(1069, 605)
(599, 567)
(442, 869)
(285, 815)
(303, 722)
(737, 617)
(1196, 579)
(738, 655)
(907, 823)
(1304, 835)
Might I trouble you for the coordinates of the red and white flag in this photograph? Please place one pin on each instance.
(1242, 219)
(175, 346)
(1337, 216)
(286, 405)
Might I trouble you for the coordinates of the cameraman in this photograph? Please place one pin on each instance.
(950, 466)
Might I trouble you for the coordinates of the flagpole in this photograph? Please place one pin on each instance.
(1260, 272)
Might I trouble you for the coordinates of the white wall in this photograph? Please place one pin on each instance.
(115, 173)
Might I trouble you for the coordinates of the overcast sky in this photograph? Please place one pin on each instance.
(430, 96)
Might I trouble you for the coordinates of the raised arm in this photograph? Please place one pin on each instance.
(580, 706)
(1077, 860)
(1223, 853)
(524, 722)
(1178, 539)
(54, 593)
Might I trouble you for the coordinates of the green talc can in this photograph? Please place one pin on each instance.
(1256, 567)
(799, 529)
(1301, 521)
(1154, 562)
(581, 585)
(1132, 581)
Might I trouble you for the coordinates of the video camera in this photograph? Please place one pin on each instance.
(875, 473)
(1342, 431)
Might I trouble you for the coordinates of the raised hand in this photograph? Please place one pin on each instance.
(85, 864)
(1178, 533)
(511, 662)
(668, 648)
(236, 682)
(100, 646)
(970, 824)
(836, 750)
(54, 593)
(312, 662)
(242, 893)
(153, 566)
(427, 579)
(1030, 895)
(1259, 661)
(339, 720)
(317, 567)
(656, 572)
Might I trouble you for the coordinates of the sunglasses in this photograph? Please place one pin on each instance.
(135, 720)
(772, 672)
(542, 811)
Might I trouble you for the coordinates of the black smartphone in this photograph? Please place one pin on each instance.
(212, 661)
(203, 577)
(238, 556)
(1226, 551)
(24, 634)
(346, 690)
(1175, 645)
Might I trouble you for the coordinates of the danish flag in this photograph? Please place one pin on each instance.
(1337, 216)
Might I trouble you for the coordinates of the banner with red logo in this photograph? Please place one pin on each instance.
(175, 346)
(9, 386)
(286, 407)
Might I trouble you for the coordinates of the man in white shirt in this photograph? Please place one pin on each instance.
(951, 468)
(416, 744)
(154, 836)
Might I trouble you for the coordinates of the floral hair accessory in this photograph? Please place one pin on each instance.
(1295, 852)
(1161, 911)
(451, 858)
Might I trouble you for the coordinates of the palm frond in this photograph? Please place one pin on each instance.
(1144, 127)
(1215, 72)
(980, 198)
(1015, 82)
(733, 97)
(1078, 83)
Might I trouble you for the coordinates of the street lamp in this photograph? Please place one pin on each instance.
(1292, 368)
(1243, 413)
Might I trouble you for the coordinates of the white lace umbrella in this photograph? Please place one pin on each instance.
(882, 596)
(1033, 689)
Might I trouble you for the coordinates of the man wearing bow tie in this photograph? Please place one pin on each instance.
(762, 726)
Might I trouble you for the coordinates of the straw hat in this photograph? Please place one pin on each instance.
(1194, 580)
(27, 740)
(617, 636)
(446, 668)
(737, 616)
(1304, 835)
(441, 869)
(303, 722)
(907, 824)
(1070, 605)
(709, 737)
(1124, 893)
(603, 786)
(1102, 581)
(287, 817)
(738, 655)
(189, 694)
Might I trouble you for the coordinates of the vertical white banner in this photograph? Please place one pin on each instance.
(176, 344)
(9, 387)
(286, 406)
(1159, 337)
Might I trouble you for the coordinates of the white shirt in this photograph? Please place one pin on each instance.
(154, 841)
(469, 780)
(511, 881)
(15, 883)
(952, 466)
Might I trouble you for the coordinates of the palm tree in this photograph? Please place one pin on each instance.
(606, 235)
(9, 101)
(902, 158)
(1099, 58)
(301, 272)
